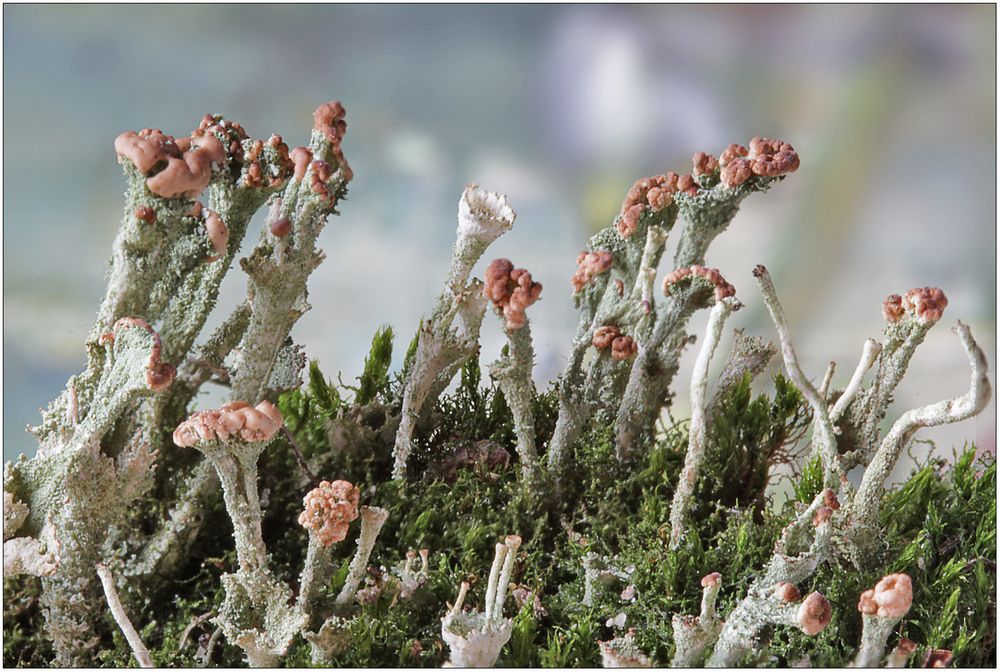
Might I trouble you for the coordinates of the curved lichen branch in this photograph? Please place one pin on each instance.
(697, 434)
(824, 438)
(869, 353)
(866, 502)
(139, 649)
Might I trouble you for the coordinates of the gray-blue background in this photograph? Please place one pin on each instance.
(891, 108)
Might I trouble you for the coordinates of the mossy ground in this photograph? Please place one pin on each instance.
(939, 527)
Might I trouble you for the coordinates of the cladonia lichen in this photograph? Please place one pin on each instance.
(144, 518)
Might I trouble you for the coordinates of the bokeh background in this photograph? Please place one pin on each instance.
(892, 109)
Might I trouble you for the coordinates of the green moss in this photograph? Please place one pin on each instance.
(939, 527)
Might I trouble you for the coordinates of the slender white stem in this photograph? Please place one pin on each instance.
(139, 649)
(512, 542)
(462, 590)
(870, 351)
(824, 439)
(824, 388)
(645, 278)
(372, 519)
(491, 583)
(697, 433)
(875, 630)
(708, 597)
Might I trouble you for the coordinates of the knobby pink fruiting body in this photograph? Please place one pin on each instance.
(329, 120)
(712, 275)
(588, 265)
(188, 161)
(927, 304)
(604, 336)
(235, 419)
(623, 347)
(786, 592)
(704, 164)
(511, 290)
(891, 597)
(650, 194)
(765, 158)
(814, 614)
(329, 509)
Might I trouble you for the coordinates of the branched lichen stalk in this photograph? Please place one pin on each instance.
(280, 265)
(442, 349)
(764, 606)
(865, 506)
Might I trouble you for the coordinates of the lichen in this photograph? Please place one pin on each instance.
(628, 536)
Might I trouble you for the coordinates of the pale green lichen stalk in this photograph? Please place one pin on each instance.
(443, 347)
(512, 290)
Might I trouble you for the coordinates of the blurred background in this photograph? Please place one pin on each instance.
(892, 109)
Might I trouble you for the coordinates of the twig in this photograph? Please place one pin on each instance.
(195, 622)
(210, 647)
(313, 479)
(222, 373)
(139, 649)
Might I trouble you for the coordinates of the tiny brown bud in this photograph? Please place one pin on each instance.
(830, 499)
(786, 592)
(711, 579)
(281, 227)
(146, 214)
(814, 614)
(822, 515)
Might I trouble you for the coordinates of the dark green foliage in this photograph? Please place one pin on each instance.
(747, 437)
(939, 527)
(24, 640)
(375, 377)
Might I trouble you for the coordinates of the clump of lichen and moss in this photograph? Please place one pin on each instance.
(940, 528)
(610, 515)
